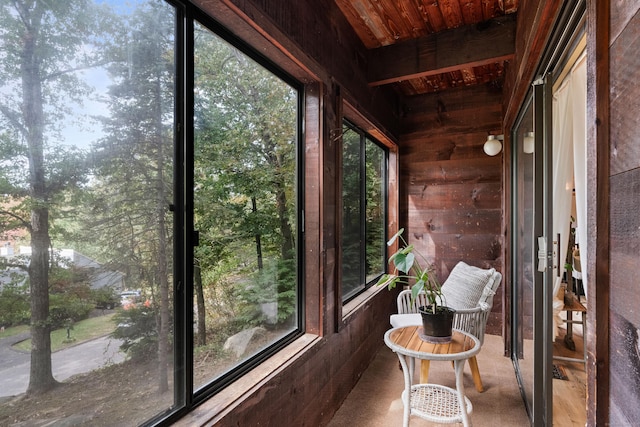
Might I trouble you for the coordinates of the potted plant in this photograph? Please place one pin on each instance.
(419, 273)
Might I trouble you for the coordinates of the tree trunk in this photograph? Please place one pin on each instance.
(197, 284)
(287, 248)
(163, 270)
(254, 207)
(40, 375)
(163, 330)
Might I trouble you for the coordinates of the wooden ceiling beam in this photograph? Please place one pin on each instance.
(465, 47)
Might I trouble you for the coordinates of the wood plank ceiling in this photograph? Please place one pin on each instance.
(426, 46)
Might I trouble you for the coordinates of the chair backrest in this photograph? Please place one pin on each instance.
(404, 302)
(468, 286)
(470, 291)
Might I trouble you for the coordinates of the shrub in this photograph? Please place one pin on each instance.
(64, 308)
(105, 298)
(14, 305)
(275, 284)
(136, 327)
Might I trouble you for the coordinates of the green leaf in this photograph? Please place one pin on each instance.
(390, 280)
(404, 262)
(407, 249)
(384, 279)
(415, 289)
(395, 236)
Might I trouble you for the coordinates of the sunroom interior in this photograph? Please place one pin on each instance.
(255, 159)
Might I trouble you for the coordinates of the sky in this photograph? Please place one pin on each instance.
(85, 132)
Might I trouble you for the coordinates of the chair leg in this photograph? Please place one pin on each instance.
(424, 371)
(475, 372)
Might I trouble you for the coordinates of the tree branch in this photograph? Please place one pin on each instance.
(21, 220)
(23, 266)
(13, 119)
(74, 69)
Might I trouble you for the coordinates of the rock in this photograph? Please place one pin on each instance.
(238, 343)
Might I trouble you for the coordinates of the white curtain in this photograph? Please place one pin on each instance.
(569, 168)
(562, 169)
(569, 159)
(579, 96)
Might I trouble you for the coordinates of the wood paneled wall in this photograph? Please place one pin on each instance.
(535, 23)
(450, 190)
(624, 225)
(308, 391)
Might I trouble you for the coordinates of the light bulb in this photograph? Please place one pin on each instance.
(492, 146)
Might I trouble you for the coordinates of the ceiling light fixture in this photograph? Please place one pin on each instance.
(493, 145)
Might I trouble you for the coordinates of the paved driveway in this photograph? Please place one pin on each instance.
(85, 357)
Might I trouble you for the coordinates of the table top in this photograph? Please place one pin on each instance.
(406, 340)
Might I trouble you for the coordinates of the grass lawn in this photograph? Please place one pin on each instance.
(14, 330)
(84, 330)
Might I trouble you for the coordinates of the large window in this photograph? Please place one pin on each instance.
(246, 282)
(148, 210)
(363, 211)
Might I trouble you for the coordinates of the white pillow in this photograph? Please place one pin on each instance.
(465, 285)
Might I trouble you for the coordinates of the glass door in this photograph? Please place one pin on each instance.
(523, 254)
(532, 254)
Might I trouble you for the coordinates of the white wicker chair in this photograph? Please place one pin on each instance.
(469, 290)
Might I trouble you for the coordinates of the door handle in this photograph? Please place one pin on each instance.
(542, 254)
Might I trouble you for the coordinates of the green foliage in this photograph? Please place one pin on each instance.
(67, 300)
(423, 278)
(136, 327)
(287, 280)
(375, 159)
(72, 281)
(363, 211)
(272, 288)
(105, 297)
(245, 185)
(14, 305)
(64, 308)
(128, 201)
(69, 296)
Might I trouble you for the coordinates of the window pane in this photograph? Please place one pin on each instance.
(352, 227)
(246, 288)
(86, 176)
(375, 216)
(363, 211)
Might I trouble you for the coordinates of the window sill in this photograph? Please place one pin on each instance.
(361, 300)
(214, 409)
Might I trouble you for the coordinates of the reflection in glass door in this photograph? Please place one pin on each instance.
(523, 253)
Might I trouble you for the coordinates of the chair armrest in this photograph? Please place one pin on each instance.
(401, 320)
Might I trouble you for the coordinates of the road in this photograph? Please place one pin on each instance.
(85, 357)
